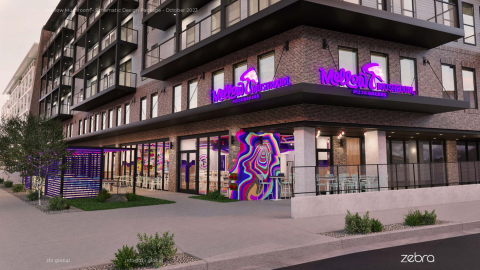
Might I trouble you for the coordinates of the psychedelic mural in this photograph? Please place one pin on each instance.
(258, 158)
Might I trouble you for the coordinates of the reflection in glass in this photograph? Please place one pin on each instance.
(448, 81)
(408, 73)
(469, 92)
(348, 59)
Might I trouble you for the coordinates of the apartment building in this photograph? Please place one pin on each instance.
(20, 87)
(335, 96)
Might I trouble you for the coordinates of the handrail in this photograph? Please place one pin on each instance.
(82, 28)
(124, 35)
(160, 52)
(93, 52)
(194, 33)
(80, 63)
(128, 79)
(109, 38)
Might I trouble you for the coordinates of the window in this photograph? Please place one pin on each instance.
(71, 130)
(467, 151)
(347, 59)
(382, 69)
(92, 124)
(233, 13)
(353, 1)
(218, 80)
(407, 8)
(127, 114)
(154, 106)
(104, 120)
(177, 98)
(85, 126)
(324, 152)
(97, 116)
(266, 66)
(80, 127)
(119, 116)
(216, 18)
(468, 23)
(238, 70)
(408, 73)
(469, 91)
(380, 4)
(67, 133)
(192, 94)
(448, 81)
(110, 118)
(190, 38)
(126, 77)
(143, 108)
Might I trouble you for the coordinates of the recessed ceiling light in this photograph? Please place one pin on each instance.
(418, 133)
(441, 134)
(411, 137)
(389, 136)
(393, 132)
(434, 138)
(456, 139)
(464, 136)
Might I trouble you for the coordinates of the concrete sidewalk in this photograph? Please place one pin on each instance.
(211, 231)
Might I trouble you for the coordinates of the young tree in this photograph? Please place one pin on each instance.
(34, 147)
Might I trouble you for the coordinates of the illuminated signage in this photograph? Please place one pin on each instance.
(367, 79)
(248, 88)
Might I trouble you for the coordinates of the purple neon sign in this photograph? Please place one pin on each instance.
(248, 88)
(367, 79)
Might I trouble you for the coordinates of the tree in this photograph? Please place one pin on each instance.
(35, 147)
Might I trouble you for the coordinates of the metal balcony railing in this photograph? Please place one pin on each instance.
(91, 90)
(68, 51)
(95, 14)
(109, 39)
(67, 24)
(80, 63)
(81, 28)
(93, 52)
(129, 35)
(66, 80)
(106, 3)
(160, 52)
(152, 5)
(127, 79)
(107, 81)
(78, 97)
(201, 30)
(56, 82)
(65, 108)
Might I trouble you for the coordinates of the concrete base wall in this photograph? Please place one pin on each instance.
(325, 205)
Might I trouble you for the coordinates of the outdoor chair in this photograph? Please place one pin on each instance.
(320, 185)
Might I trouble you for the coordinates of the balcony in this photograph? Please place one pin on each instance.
(64, 83)
(63, 114)
(108, 90)
(68, 25)
(246, 25)
(67, 60)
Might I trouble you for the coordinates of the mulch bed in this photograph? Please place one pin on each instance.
(178, 259)
(386, 228)
(44, 207)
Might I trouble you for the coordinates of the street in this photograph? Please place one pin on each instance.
(452, 253)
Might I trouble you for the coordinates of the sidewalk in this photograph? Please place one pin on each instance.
(208, 230)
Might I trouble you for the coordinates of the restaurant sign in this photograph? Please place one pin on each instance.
(248, 88)
(369, 78)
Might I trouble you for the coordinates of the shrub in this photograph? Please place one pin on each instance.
(377, 226)
(155, 250)
(357, 224)
(215, 195)
(126, 258)
(58, 203)
(32, 196)
(416, 218)
(103, 195)
(1, 180)
(131, 197)
(8, 184)
(17, 188)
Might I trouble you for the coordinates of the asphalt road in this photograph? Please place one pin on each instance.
(458, 253)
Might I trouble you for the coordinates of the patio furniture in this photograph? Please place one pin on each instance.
(320, 185)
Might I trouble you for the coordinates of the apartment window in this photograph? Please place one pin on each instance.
(177, 98)
(469, 89)
(85, 126)
(110, 118)
(467, 151)
(216, 18)
(67, 133)
(97, 116)
(92, 124)
(127, 114)
(143, 108)
(468, 23)
(71, 130)
(192, 94)
(448, 81)
(119, 116)
(347, 59)
(266, 67)
(104, 120)
(380, 4)
(190, 38)
(80, 127)
(218, 80)
(233, 13)
(154, 106)
(353, 1)
(238, 70)
(407, 8)
(408, 73)
(382, 69)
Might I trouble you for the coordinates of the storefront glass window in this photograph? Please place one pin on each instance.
(189, 144)
(437, 151)
(267, 67)
(424, 148)
(448, 81)
(469, 92)
(408, 73)
(139, 159)
(159, 161)
(213, 160)
(224, 152)
(348, 59)
(166, 165)
(239, 69)
(382, 69)
(472, 151)
(411, 151)
(398, 155)
(202, 165)
(461, 152)
(145, 159)
(177, 98)
(152, 162)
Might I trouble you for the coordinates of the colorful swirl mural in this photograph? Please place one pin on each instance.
(258, 158)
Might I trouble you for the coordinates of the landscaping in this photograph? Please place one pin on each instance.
(214, 196)
(94, 204)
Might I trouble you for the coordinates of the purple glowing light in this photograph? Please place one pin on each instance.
(367, 79)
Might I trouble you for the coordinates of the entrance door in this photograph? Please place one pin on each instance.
(188, 172)
(353, 154)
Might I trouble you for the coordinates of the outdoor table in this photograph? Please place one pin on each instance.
(277, 180)
(329, 181)
(111, 182)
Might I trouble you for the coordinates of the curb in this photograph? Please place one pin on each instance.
(254, 257)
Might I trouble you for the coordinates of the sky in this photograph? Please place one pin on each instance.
(21, 23)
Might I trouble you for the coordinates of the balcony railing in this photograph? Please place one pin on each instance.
(93, 52)
(129, 35)
(81, 28)
(78, 97)
(67, 24)
(91, 90)
(343, 179)
(65, 108)
(109, 39)
(201, 30)
(107, 81)
(127, 79)
(152, 5)
(68, 52)
(160, 52)
(54, 110)
(94, 16)
(106, 3)
(66, 80)
(57, 55)
(50, 62)
(80, 63)
(80, 2)
(56, 82)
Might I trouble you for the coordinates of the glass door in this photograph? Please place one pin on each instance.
(188, 172)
